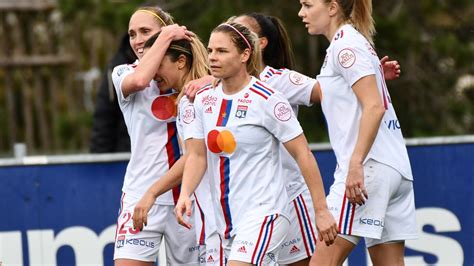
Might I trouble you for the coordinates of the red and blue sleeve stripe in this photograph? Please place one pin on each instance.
(272, 71)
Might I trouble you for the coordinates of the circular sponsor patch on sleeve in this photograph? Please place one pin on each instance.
(282, 111)
(296, 78)
(121, 70)
(346, 57)
(187, 116)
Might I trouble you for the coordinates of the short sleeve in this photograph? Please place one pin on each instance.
(296, 87)
(118, 75)
(280, 119)
(352, 62)
(190, 117)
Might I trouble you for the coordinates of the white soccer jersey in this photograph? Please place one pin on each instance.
(297, 88)
(350, 57)
(204, 209)
(150, 116)
(242, 134)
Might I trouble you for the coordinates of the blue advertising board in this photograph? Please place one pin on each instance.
(65, 213)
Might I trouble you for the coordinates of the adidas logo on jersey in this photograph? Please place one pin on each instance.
(242, 249)
(210, 259)
(294, 249)
(208, 110)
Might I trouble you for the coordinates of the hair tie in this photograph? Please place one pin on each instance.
(153, 14)
(241, 35)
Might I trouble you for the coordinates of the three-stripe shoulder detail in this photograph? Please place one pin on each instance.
(261, 89)
(271, 72)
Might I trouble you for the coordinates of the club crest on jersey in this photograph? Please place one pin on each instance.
(187, 115)
(346, 57)
(241, 111)
(296, 78)
(282, 111)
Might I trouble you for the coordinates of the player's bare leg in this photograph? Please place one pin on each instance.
(127, 262)
(304, 262)
(238, 263)
(334, 254)
(388, 254)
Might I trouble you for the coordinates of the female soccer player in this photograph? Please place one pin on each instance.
(241, 123)
(300, 90)
(372, 195)
(183, 61)
(149, 114)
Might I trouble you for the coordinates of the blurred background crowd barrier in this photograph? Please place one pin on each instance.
(61, 210)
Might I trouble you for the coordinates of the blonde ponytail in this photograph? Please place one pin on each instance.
(359, 14)
(361, 18)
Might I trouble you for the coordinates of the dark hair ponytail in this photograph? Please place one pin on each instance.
(278, 52)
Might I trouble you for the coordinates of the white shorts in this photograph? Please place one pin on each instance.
(257, 241)
(300, 241)
(207, 236)
(181, 247)
(387, 215)
(212, 252)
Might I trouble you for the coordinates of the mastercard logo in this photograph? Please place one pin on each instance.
(222, 141)
(164, 107)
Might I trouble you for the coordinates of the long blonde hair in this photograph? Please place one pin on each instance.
(359, 14)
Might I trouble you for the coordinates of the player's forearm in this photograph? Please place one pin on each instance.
(298, 148)
(312, 176)
(171, 179)
(368, 128)
(193, 172)
(151, 61)
(368, 95)
(146, 69)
